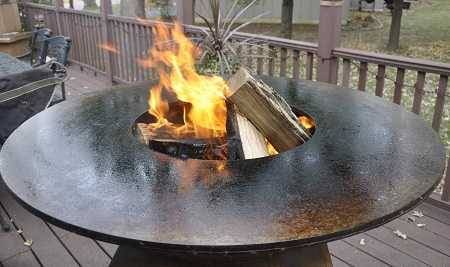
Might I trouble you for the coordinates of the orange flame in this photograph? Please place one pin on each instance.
(109, 47)
(173, 56)
(270, 149)
(305, 122)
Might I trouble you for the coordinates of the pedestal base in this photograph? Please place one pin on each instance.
(315, 256)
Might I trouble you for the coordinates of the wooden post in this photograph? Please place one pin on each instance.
(446, 190)
(440, 102)
(59, 5)
(329, 38)
(185, 11)
(9, 17)
(105, 10)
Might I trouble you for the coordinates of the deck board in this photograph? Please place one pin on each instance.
(108, 248)
(426, 238)
(338, 263)
(383, 251)
(54, 246)
(45, 244)
(352, 255)
(11, 243)
(25, 259)
(86, 251)
(436, 213)
(431, 225)
(409, 247)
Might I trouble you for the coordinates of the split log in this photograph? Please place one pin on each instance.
(253, 142)
(234, 144)
(244, 141)
(143, 133)
(266, 110)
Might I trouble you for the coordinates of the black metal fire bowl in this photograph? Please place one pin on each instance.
(78, 166)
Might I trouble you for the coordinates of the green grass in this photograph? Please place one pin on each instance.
(425, 31)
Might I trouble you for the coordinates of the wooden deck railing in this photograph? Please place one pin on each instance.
(380, 74)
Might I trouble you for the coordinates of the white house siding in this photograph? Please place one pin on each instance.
(305, 11)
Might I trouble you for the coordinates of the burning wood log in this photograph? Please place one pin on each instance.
(234, 144)
(253, 142)
(244, 141)
(266, 110)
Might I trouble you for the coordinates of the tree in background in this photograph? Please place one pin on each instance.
(132, 8)
(164, 8)
(396, 22)
(287, 12)
(90, 5)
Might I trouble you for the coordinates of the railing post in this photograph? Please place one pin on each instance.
(446, 190)
(185, 11)
(59, 4)
(105, 10)
(329, 38)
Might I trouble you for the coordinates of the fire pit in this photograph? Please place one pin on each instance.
(194, 148)
(78, 166)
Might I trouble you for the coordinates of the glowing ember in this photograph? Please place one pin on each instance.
(270, 149)
(173, 56)
(306, 122)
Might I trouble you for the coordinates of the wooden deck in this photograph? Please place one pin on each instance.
(48, 245)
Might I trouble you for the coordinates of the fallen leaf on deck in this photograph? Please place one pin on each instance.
(400, 234)
(362, 242)
(418, 214)
(420, 225)
(28, 243)
(20, 231)
(411, 219)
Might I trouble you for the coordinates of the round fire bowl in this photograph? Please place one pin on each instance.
(188, 147)
(78, 166)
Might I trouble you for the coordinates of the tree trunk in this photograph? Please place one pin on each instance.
(164, 7)
(139, 9)
(132, 8)
(287, 11)
(90, 5)
(396, 22)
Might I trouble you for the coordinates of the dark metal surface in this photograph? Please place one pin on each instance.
(368, 162)
(10, 65)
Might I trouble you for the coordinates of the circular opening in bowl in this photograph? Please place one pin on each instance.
(186, 147)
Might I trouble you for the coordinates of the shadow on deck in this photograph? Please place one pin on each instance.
(33, 242)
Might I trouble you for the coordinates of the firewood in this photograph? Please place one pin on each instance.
(253, 142)
(266, 110)
(143, 133)
(234, 144)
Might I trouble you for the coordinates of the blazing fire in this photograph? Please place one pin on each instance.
(185, 104)
(174, 57)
